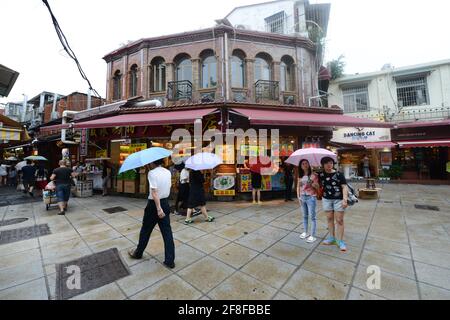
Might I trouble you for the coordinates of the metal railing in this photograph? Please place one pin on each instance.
(427, 114)
(267, 90)
(178, 90)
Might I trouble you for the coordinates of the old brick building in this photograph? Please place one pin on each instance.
(75, 101)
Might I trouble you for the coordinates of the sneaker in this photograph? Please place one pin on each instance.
(304, 235)
(329, 241)
(342, 246)
(188, 221)
(210, 219)
(62, 213)
(254, 202)
(311, 239)
(259, 202)
(133, 255)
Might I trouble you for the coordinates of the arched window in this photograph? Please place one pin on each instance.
(184, 69)
(237, 70)
(209, 71)
(287, 74)
(262, 68)
(117, 85)
(133, 80)
(158, 80)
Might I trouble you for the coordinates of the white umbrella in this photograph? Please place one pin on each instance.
(20, 165)
(11, 159)
(203, 161)
(313, 155)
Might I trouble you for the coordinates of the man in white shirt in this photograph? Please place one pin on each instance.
(157, 212)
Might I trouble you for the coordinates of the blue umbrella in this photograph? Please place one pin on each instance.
(36, 158)
(141, 158)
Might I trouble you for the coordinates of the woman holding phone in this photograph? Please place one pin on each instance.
(307, 187)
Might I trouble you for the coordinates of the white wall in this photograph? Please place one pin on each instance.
(383, 92)
(253, 16)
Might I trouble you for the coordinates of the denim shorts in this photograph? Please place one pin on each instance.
(63, 192)
(332, 205)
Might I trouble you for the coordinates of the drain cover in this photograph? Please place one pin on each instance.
(95, 271)
(14, 235)
(12, 221)
(426, 207)
(115, 210)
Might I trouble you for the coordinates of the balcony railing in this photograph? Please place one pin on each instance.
(267, 90)
(179, 90)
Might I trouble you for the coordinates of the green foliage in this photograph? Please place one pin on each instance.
(337, 67)
(128, 175)
(396, 171)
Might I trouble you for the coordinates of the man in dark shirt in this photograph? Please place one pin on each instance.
(29, 177)
(289, 179)
(63, 180)
(335, 196)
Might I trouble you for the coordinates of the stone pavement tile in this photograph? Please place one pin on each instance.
(156, 245)
(282, 224)
(120, 221)
(400, 266)
(33, 290)
(262, 218)
(433, 275)
(93, 229)
(392, 286)
(230, 220)
(177, 226)
(119, 243)
(294, 239)
(272, 232)
(62, 248)
(443, 246)
(231, 233)
(108, 292)
(136, 213)
(208, 243)
(242, 287)
(211, 226)
(288, 253)
(269, 270)
(427, 292)
(358, 294)
(330, 267)
(129, 228)
(184, 256)
(244, 214)
(189, 234)
(20, 274)
(435, 258)
(390, 235)
(51, 261)
(249, 226)
(20, 258)
(57, 238)
(388, 247)
(143, 275)
(256, 242)
(131, 262)
(206, 273)
(101, 236)
(172, 288)
(306, 285)
(351, 255)
(282, 296)
(16, 247)
(235, 255)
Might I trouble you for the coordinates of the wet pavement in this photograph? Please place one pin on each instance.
(248, 252)
(10, 196)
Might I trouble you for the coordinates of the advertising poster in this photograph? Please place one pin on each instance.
(226, 152)
(386, 158)
(278, 183)
(136, 147)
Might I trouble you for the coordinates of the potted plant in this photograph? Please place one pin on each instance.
(396, 171)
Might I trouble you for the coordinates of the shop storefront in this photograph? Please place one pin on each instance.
(423, 151)
(373, 143)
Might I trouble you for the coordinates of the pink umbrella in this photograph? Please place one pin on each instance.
(313, 155)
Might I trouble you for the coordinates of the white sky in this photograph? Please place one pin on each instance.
(369, 33)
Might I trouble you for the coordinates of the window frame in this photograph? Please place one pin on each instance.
(412, 83)
(211, 69)
(117, 85)
(354, 92)
(158, 75)
(133, 85)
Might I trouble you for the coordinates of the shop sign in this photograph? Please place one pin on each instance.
(355, 135)
(136, 147)
(84, 143)
(224, 186)
(101, 154)
(246, 183)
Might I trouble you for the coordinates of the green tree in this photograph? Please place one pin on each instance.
(337, 67)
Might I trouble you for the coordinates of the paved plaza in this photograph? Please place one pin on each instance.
(248, 252)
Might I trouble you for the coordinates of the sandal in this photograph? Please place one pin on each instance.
(210, 219)
(188, 221)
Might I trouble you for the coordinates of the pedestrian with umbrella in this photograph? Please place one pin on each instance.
(29, 177)
(197, 163)
(157, 210)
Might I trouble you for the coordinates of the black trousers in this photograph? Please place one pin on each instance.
(148, 224)
(288, 193)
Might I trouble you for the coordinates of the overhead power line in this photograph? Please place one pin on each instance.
(65, 44)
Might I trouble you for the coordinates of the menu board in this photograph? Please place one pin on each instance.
(252, 151)
(246, 183)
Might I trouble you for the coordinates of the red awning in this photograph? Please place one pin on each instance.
(294, 118)
(424, 144)
(140, 119)
(378, 145)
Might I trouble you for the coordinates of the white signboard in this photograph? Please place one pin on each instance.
(360, 135)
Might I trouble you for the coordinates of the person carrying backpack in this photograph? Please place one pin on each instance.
(335, 201)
